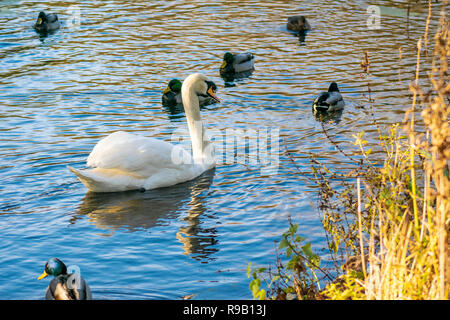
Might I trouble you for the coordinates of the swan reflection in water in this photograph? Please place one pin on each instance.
(135, 210)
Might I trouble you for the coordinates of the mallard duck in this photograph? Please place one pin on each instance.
(46, 22)
(236, 63)
(298, 23)
(329, 101)
(64, 286)
(172, 94)
(124, 161)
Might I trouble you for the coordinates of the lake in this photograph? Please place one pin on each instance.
(105, 70)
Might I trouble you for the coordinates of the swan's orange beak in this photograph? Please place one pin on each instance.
(212, 94)
(43, 275)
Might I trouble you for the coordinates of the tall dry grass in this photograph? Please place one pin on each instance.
(400, 231)
(390, 227)
(411, 258)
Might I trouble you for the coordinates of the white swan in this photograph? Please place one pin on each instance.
(124, 161)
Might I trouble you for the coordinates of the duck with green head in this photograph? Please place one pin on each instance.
(172, 94)
(46, 23)
(64, 286)
(237, 63)
(329, 101)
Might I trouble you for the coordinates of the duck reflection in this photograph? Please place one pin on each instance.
(175, 111)
(327, 116)
(230, 79)
(302, 37)
(135, 210)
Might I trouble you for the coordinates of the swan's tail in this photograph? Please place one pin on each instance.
(108, 180)
(86, 178)
(98, 182)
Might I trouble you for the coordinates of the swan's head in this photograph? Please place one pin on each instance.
(333, 87)
(174, 86)
(201, 86)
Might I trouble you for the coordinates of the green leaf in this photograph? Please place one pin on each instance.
(293, 228)
(248, 269)
(260, 270)
(283, 243)
(291, 263)
(254, 286)
(315, 261)
(307, 250)
(288, 252)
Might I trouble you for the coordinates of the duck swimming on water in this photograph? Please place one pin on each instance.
(329, 101)
(46, 23)
(236, 63)
(64, 286)
(298, 23)
(172, 94)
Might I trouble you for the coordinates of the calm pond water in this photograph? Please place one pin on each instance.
(105, 72)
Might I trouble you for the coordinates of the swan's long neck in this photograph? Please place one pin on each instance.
(195, 125)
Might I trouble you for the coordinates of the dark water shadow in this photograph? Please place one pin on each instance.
(328, 116)
(176, 110)
(300, 35)
(230, 79)
(44, 34)
(137, 211)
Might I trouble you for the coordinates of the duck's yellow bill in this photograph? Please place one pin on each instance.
(212, 94)
(39, 21)
(224, 64)
(166, 90)
(43, 275)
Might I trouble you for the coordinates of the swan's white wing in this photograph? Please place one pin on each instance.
(133, 154)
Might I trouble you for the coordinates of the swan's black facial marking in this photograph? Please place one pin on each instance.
(212, 85)
(211, 90)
